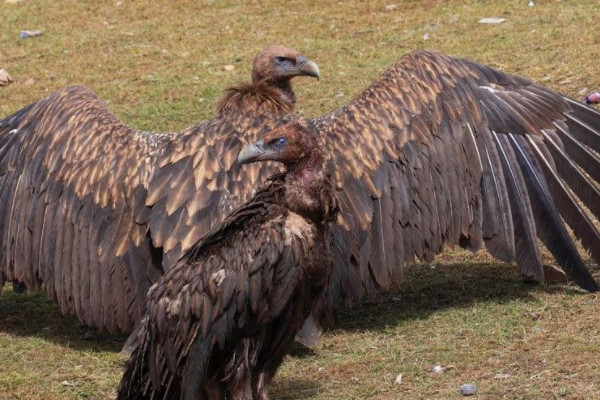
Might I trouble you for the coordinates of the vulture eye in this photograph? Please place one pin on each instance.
(282, 60)
(279, 142)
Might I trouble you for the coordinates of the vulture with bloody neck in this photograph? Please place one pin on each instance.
(94, 210)
(220, 321)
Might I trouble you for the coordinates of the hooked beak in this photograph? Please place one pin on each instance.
(308, 67)
(251, 152)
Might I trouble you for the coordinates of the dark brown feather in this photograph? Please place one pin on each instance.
(233, 340)
(118, 184)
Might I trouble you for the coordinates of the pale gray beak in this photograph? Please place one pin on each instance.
(251, 152)
(308, 68)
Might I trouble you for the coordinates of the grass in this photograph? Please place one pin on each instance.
(159, 66)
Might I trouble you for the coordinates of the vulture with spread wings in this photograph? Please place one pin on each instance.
(95, 210)
(438, 151)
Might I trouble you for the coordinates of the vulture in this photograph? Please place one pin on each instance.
(221, 319)
(95, 211)
(436, 152)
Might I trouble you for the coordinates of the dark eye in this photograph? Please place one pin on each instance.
(281, 60)
(280, 142)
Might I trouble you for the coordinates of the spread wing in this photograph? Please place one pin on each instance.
(238, 279)
(197, 180)
(441, 151)
(73, 182)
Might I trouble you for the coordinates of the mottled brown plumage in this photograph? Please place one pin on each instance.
(440, 151)
(437, 152)
(94, 210)
(220, 321)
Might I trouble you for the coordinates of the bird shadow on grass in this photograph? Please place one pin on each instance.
(427, 290)
(293, 388)
(33, 314)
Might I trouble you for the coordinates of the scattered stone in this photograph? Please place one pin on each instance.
(426, 36)
(391, 7)
(531, 4)
(321, 369)
(468, 389)
(228, 67)
(492, 20)
(30, 34)
(398, 380)
(66, 383)
(438, 369)
(29, 82)
(5, 78)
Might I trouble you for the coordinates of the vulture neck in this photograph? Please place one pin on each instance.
(260, 97)
(307, 190)
(285, 86)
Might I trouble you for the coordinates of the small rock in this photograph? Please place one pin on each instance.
(492, 20)
(531, 4)
(398, 379)
(391, 7)
(321, 369)
(426, 36)
(29, 82)
(354, 379)
(438, 369)
(468, 389)
(5, 78)
(228, 67)
(66, 383)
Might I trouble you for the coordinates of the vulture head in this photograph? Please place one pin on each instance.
(293, 144)
(308, 189)
(277, 65)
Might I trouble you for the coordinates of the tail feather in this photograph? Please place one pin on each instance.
(135, 377)
(526, 249)
(584, 132)
(567, 204)
(579, 153)
(585, 113)
(552, 230)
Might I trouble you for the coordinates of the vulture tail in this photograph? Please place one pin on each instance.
(551, 229)
(135, 377)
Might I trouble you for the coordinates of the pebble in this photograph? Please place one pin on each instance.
(468, 389)
(492, 20)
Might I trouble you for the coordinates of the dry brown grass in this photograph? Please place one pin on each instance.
(159, 65)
